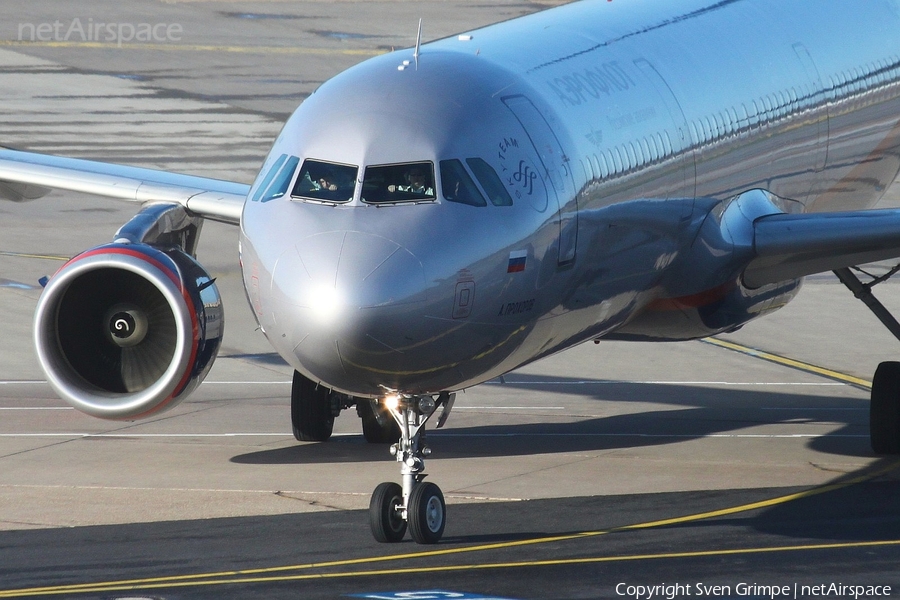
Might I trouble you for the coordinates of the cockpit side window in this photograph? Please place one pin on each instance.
(275, 183)
(328, 182)
(270, 175)
(406, 182)
(457, 186)
(490, 181)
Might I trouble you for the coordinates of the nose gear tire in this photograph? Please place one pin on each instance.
(427, 513)
(385, 513)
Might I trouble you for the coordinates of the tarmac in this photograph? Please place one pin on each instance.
(598, 437)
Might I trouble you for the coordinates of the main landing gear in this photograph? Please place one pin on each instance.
(314, 408)
(415, 505)
(884, 408)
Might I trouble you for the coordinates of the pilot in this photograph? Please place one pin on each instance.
(324, 182)
(418, 183)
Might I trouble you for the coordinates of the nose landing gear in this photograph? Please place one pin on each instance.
(415, 505)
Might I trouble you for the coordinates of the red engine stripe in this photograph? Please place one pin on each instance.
(694, 300)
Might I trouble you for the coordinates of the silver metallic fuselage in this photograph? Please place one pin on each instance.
(621, 130)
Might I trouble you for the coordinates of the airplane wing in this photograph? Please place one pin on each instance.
(26, 176)
(788, 246)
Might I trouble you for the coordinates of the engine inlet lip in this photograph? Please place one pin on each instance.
(70, 386)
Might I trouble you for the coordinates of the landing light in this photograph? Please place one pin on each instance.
(392, 401)
(326, 303)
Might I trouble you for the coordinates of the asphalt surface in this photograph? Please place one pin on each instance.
(568, 548)
(634, 464)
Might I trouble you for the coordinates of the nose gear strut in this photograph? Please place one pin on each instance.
(417, 505)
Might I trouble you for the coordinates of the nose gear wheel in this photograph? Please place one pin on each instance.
(386, 513)
(426, 513)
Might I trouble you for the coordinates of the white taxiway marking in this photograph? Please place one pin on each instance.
(455, 408)
(612, 382)
(655, 435)
(440, 434)
(15, 382)
(36, 408)
(509, 408)
(813, 408)
(146, 435)
(542, 382)
(248, 382)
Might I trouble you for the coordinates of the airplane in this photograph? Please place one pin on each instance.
(437, 216)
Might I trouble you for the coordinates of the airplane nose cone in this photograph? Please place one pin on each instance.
(340, 292)
(330, 273)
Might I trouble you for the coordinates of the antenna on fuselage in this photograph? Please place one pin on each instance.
(418, 43)
(405, 63)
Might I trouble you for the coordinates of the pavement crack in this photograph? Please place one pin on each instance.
(19, 524)
(840, 470)
(307, 501)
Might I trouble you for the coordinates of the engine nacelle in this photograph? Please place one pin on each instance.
(125, 331)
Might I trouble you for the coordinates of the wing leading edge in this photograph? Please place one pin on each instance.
(789, 246)
(27, 175)
(786, 246)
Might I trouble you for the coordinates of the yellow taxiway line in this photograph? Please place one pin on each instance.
(85, 45)
(280, 573)
(790, 362)
(39, 256)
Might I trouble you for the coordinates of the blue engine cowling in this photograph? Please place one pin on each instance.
(125, 331)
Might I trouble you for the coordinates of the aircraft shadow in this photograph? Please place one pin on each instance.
(859, 512)
(264, 358)
(697, 412)
(854, 510)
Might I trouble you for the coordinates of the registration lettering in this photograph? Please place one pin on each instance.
(515, 308)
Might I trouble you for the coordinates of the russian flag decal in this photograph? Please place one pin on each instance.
(517, 261)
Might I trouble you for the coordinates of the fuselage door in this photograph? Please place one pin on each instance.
(678, 136)
(817, 93)
(557, 172)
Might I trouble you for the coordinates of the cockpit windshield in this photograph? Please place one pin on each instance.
(329, 182)
(406, 182)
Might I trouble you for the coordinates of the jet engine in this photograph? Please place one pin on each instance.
(124, 331)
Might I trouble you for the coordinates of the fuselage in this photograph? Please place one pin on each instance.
(427, 223)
